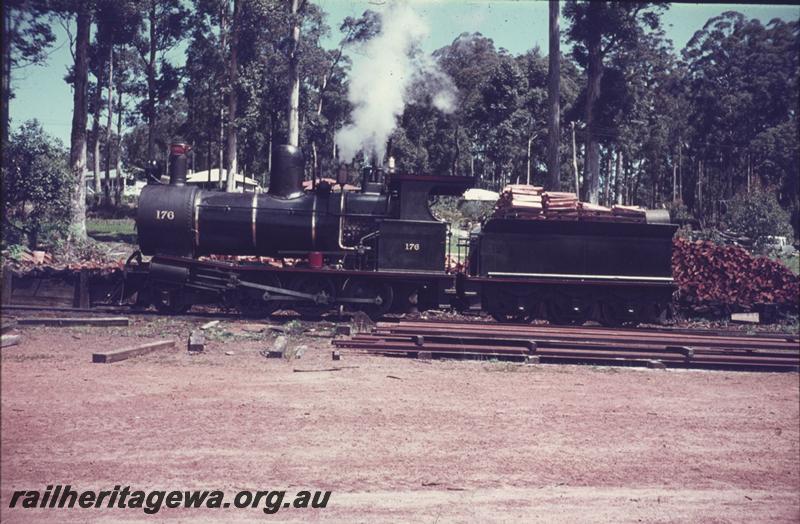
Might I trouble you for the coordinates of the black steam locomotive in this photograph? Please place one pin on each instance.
(380, 249)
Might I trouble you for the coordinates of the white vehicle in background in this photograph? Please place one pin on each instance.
(780, 245)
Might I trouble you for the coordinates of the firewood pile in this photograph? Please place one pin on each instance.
(713, 277)
(533, 203)
(28, 261)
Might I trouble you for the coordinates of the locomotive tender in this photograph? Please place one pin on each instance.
(380, 249)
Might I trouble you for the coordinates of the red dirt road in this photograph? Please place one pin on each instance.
(441, 442)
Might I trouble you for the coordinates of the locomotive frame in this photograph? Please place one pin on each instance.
(380, 250)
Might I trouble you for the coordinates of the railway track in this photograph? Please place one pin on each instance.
(653, 347)
(677, 348)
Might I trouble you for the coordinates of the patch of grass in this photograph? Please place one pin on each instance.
(112, 229)
(791, 261)
(293, 327)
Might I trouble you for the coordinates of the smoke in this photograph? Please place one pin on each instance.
(389, 71)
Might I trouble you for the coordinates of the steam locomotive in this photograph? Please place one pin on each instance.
(380, 250)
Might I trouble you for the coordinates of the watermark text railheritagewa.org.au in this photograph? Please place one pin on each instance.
(152, 501)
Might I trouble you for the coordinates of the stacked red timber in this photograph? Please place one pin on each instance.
(533, 203)
(728, 278)
(561, 206)
(520, 201)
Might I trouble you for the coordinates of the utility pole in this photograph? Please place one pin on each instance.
(575, 161)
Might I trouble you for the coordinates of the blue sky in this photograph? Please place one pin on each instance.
(517, 25)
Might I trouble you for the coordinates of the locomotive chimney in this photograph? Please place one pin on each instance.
(177, 164)
(286, 179)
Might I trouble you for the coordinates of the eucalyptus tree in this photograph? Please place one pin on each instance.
(27, 37)
(743, 87)
(598, 29)
(164, 25)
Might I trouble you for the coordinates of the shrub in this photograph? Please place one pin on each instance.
(757, 215)
(36, 189)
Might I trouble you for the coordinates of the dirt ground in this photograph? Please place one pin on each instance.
(394, 439)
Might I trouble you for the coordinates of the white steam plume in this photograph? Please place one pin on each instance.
(390, 70)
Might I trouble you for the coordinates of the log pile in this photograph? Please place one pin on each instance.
(533, 203)
(27, 261)
(712, 277)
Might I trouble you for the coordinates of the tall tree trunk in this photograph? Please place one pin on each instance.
(96, 181)
(680, 171)
(457, 153)
(77, 154)
(700, 187)
(575, 161)
(618, 178)
(674, 183)
(6, 82)
(269, 144)
(151, 83)
(97, 100)
(637, 178)
(233, 98)
(109, 123)
(221, 146)
(315, 168)
(209, 161)
(591, 177)
(314, 163)
(655, 187)
(553, 183)
(294, 79)
(122, 182)
(607, 185)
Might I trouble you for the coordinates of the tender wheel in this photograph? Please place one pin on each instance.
(323, 290)
(251, 301)
(381, 293)
(565, 311)
(507, 305)
(653, 313)
(615, 312)
(169, 301)
(516, 317)
(511, 312)
(610, 314)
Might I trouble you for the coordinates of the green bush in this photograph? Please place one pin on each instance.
(37, 185)
(757, 215)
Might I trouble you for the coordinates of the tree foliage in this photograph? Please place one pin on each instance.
(757, 215)
(37, 185)
(656, 126)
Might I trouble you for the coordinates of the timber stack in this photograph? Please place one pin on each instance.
(525, 202)
(719, 278)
